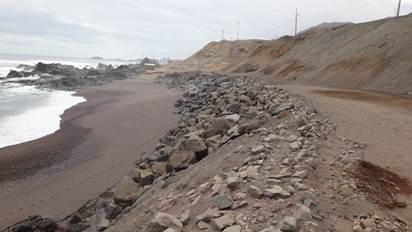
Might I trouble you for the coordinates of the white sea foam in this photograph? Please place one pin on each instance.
(28, 113)
(37, 121)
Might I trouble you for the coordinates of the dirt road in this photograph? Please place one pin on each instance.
(382, 122)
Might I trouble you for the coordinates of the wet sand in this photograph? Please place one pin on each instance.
(98, 143)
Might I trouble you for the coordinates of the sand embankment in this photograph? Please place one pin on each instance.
(369, 56)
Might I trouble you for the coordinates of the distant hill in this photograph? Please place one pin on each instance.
(97, 58)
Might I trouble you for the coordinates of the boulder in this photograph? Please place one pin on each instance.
(193, 143)
(184, 218)
(159, 168)
(282, 108)
(235, 228)
(170, 230)
(125, 192)
(258, 149)
(79, 227)
(208, 215)
(112, 211)
(250, 126)
(273, 109)
(254, 192)
(223, 201)
(181, 159)
(252, 172)
(203, 225)
(276, 192)
(233, 181)
(101, 221)
(294, 146)
(234, 131)
(289, 224)
(15, 74)
(303, 212)
(303, 174)
(224, 221)
(164, 221)
(233, 117)
(233, 107)
(143, 176)
(35, 223)
(218, 126)
(244, 99)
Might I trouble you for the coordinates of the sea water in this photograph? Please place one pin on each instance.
(26, 112)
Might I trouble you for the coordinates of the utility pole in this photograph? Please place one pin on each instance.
(238, 28)
(223, 34)
(296, 22)
(399, 8)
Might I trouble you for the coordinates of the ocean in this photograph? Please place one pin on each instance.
(28, 113)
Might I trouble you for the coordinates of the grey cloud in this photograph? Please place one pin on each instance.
(128, 28)
(31, 22)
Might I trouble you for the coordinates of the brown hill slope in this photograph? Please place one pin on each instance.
(373, 56)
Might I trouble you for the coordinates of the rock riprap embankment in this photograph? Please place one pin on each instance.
(245, 156)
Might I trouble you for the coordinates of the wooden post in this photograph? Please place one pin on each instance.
(296, 22)
(238, 28)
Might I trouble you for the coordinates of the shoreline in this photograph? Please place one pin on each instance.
(19, 156)
(97, 144)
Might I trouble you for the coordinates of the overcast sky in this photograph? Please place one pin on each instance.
(161, 28)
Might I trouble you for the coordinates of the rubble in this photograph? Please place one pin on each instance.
(258, 149)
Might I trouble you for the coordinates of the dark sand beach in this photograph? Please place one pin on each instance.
(98, 143)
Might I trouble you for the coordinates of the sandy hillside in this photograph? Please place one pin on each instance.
(372, 56)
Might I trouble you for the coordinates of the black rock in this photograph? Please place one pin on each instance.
(68, 77)
(34, 224)
(16, 74)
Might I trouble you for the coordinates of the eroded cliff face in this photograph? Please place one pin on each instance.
(371, 56)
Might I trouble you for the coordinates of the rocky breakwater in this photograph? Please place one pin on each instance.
(245, 156)
(68, 77)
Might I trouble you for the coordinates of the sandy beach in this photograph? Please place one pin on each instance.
(98, 143)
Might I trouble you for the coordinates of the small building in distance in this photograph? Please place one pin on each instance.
(149, 64)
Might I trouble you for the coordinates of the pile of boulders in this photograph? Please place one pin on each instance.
(243, 198)
(214, 109)
(275, 186)
(217, 109)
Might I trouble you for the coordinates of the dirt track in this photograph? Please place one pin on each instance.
(382, 122)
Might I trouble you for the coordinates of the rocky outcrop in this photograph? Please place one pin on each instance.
(16, 74)
(68, 77)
